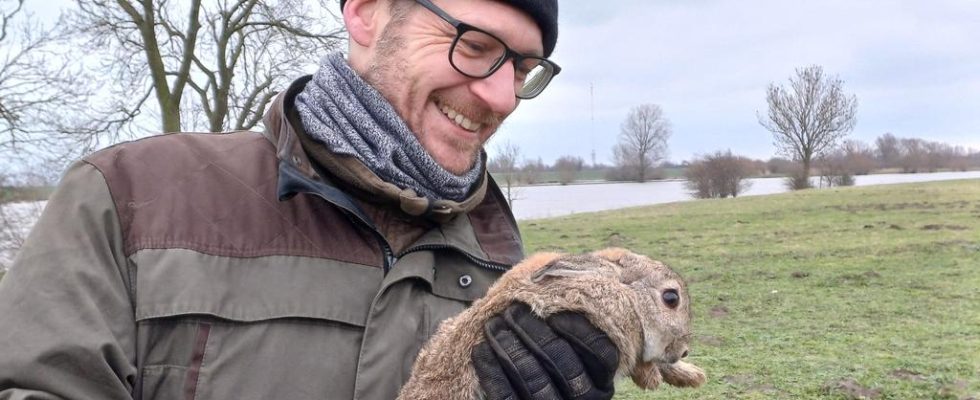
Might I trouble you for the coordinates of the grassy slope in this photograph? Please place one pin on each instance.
(551, 177)
(796, 294)
(32, 193)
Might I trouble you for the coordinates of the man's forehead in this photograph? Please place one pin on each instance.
(544, 13)
(515, 26)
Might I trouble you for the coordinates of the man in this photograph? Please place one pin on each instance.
(312, 261)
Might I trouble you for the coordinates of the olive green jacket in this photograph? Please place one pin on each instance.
(200, 266)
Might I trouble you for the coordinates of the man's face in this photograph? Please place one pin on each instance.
(451, 114)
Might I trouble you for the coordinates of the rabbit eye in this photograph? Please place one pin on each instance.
(671, 298)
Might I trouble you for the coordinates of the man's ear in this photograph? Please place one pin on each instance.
(365, 19)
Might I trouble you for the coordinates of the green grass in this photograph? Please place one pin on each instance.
(794, 294)
(552, 177)
(29, 193)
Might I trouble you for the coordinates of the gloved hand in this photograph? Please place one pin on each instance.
(562, 357)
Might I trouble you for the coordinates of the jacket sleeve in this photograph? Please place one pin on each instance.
(66, 315)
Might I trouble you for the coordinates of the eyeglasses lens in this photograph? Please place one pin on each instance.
(478, 55)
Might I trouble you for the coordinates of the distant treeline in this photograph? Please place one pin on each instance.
(888, 153)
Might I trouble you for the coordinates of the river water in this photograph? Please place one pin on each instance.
(531, 202)
(554, 200)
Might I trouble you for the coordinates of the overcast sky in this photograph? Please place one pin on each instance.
(913, 65)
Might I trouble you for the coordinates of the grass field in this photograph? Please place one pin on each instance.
(31, 193)
(552, 177)
(870, 292)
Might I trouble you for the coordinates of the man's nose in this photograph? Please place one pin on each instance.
(498, 89)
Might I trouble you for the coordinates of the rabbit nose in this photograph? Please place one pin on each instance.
(684, 355)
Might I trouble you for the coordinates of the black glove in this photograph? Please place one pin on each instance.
(563, 357)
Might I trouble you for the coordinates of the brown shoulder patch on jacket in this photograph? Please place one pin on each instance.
(495, 227)
(217, 194)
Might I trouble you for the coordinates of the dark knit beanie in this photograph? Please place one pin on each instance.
(544, 13)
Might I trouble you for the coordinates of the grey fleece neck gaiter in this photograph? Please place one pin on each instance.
(351, 118)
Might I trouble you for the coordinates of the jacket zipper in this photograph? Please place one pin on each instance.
(482, 263)
(356, 217)
(350, 208)
(389, 255)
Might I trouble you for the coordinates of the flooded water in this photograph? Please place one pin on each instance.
(16, 219)
(552, 201)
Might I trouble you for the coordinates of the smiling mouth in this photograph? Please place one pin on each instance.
(459, 119)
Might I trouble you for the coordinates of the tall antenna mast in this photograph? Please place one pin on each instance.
(592, 123)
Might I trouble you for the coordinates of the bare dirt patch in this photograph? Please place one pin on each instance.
(851, 389)
(863, 278)
(615, 240)
(939, 227)
(714, 341)
(738, 380)
(765, 274)
(719, 311)
(854, 208)
(956, 390)
(908, 375)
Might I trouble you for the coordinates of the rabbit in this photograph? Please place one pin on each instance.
(641, 304)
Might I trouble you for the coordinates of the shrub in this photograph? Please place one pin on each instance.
(796, 180)
(718, 175)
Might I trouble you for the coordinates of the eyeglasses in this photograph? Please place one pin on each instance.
(478, 54)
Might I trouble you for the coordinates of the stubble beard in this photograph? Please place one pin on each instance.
(387, 74)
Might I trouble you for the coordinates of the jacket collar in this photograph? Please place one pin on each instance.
(489, 230)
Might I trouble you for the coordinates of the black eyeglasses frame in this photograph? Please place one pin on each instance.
(462, 27)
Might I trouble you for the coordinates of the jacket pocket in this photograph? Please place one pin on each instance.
(176, 382)
(454, 280)
(276, 327)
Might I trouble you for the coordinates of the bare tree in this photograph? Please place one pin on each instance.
(779, 166)
(43, 98)
(835, 169)
(532, 169)
(888, 150)
(504, 165)
(642, 141)
(232, 56)
(914, 155)
(917, 155)
(859, 158)
(568, 168)
(810, 116)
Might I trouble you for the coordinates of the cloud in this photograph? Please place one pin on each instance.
(707, 63)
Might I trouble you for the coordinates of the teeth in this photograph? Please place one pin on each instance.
(460, 120)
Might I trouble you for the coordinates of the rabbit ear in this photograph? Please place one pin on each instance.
(626, 260)
(565, 267)
(634, 266)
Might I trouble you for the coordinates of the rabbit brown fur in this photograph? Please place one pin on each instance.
(618, 291)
